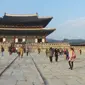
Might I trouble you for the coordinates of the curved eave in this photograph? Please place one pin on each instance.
(0, 19)
(25, 32)
(45, 20)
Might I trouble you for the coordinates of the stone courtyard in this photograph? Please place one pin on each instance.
(23, 71)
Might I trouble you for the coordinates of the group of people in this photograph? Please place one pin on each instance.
(69, 54)
(52, 52)
(20, 50)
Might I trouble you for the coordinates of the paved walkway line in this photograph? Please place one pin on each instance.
(3, 70)
(43, 78)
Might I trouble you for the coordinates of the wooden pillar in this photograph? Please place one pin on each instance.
(23, 39)
(16, 40)
(4, 39)
(36, 40)
(43, 40)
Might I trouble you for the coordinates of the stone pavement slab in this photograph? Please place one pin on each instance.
(6, 60)
(57, 73)
(22, 72)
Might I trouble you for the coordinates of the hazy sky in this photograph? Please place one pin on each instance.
(68, 15)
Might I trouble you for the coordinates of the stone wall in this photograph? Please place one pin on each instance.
(77, 48)
(44, 46)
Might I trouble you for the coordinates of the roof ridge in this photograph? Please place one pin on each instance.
(45, 17)
(25, 29)
(15, 15)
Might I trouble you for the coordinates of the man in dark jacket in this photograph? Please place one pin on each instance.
(51, 54)
(56, 55)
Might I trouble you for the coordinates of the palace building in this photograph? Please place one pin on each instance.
(24, 28)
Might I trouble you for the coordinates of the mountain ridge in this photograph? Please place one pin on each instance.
(70, 41)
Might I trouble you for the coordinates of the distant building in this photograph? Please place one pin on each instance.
(24, 28)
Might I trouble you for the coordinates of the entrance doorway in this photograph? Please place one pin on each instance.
(1, 39)
(19, 40)
(39, 40)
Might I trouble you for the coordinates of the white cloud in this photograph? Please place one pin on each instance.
(71, 29)
(74, 23)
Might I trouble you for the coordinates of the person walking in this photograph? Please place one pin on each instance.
(9, 49)
(46, 52)
(2, 50)
(18, 51)
(72, 57)
(51, 54)
(27, 50)
(39, 50)
(21, 52)
(80, 51)
(67, 54)
(56, 55)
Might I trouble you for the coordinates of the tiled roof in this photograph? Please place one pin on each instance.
(26, 20)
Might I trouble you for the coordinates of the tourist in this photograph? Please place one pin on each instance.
(66, 54)
(46, 51)
(80, 51)
(2, 50)
(56, 54)
(18, 51)
(72, 57)
(27, 50)
(24, 48)
(21, 52)
(51, 54)
(9, 50)
(39, 50)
